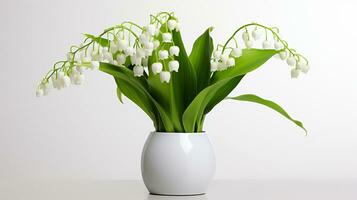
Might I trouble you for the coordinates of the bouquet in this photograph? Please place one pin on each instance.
(175, 89)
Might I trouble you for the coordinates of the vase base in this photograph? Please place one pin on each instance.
(163, 194)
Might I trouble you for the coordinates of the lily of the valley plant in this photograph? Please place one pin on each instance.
(152, 68)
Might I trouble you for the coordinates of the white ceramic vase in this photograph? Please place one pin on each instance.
(177, 163)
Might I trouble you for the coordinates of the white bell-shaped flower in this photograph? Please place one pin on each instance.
(69, 56)
(256, 34)
(283, 55)
(221, 66)
(129, 51)
(224, 57)
(113, 47)
(144, 38)
(64, 81)
(236, 52)
(86, 59)
(278, 45)
(302, 66)
(148, 52)
(177, 27)
(122, 45)
(135, 60)
(174, 65)
(165, 77)
(245, 36)
(156, 67)
(138, 71)
(163, 54)
(214, 66)
(291, 61)
(249, 43)
(156, 44)
(39, 92)
(295, 73)
(171, 24)
(145, 62)
(121, 58)
(140, 52)
(231, 62)
(79, 80)
(151, 29)
(94, 65)
(266, 44)
(108, 56)
(167, 37)
(149, 45)
(174, 50)
(217, 54)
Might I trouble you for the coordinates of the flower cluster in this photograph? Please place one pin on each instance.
(125, 45)
(224, 57)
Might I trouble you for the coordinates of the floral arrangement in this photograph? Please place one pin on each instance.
(152, 68)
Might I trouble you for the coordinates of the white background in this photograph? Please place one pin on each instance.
(84, 133)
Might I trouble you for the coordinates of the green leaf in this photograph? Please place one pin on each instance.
(268, 103)
(221, 84)
(250, 60)
(102, 41)
(119, 92)
(200, 58)
(192, 117)
(137, 89)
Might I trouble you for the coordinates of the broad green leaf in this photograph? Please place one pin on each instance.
(139, 87)
(193, 114)
(268, 103)
(200, 58)
(250, 60)
(219, 96)
(176, 95)
(221, 84)
(119, 92)
(102, 41)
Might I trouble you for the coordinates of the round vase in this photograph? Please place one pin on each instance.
(177, 163)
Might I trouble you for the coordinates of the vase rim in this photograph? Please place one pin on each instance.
(177, 133)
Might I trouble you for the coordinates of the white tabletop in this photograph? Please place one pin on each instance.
(219, 190)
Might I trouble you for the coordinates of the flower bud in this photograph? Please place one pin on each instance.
(171, 24)
(291, 61)
(214, 66)
(166, 37)
(245, 36)
(231, 62)
(266, 44)
(165, 77)
(256, 34)
(174, 50)
(249, 44)
(302, 66)
(156, 44)
(283, 55)
(39, 92)
(217, 54)
(129, 51)
(163, 54)
(138, 71)
(295, 73)
(236, 52)
(121, 58)
(278, 46)
(135, 60)
(156, 67)
(140, 52)
(151, 29)
(122, 44)
(177, 27)
(174, 65)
